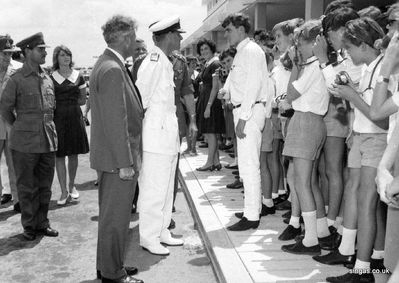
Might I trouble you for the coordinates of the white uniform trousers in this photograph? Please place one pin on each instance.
(11, 186)
(248, 151)
(156, 182)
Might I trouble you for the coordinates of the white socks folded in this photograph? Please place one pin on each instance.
(310, 239)
(347, 246)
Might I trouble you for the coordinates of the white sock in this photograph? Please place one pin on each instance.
(268, 202)
(294, 222)
(281, 192)
(274, 195)
(347, 246)
(326, 208)
(330, 222)
(310, 239)
(359, 264)
(377, 254)
(322, 227)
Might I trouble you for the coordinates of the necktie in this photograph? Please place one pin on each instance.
(135, 87)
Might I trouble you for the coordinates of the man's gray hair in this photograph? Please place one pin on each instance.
(116, 26)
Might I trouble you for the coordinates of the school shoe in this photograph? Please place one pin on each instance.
(280, 199)
(378, 264)
(232, 155)
(352, 278)
(5, 198)
(156, 249)
(17, 208)
(244, 224)
(334, 258)
(329, 242)
(237, 184)
(236, 172)
(299, 248)
(290, 233)
(285, 205)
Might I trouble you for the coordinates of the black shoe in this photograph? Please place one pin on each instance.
(232, 155)
(172, 224)
(236, 172)
(96, 183)
(5, 198)
(280, 199)
(130, 270)
(244, 224)
(17, 208)
(49, 232)
(125, 279)
(285, 205)
(230, 150)
(237, 184)
(352, 278)
(334, 258)
(290, 233)
(29, 235)
(299, 248)
(378, 264)
(328, 243)
(267, 210)
(234, 167)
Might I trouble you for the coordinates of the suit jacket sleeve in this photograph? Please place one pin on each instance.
(112, 104)
(8, 101)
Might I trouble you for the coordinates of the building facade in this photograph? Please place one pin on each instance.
(263, 14)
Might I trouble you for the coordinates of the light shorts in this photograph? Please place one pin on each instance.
(367, 150)
(306, 135)
(267, 136)
(335, 128)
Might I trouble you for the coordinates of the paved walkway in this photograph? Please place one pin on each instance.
(248, 256)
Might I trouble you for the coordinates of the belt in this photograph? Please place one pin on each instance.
(239, 105)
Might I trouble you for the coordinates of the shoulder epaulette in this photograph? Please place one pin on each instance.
(154, 57)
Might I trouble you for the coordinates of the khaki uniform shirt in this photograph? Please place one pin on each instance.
(31, 96)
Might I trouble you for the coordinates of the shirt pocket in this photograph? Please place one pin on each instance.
(28, 101)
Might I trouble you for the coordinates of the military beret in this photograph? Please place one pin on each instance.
(32, 41)
(166, 25)
(6, 44)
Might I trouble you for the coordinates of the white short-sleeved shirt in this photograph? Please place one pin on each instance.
(393, 87)
(368, 80)
(312, 87)
(281, 77)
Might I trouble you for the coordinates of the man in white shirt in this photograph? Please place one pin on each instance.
(161, 142)
(247, 86)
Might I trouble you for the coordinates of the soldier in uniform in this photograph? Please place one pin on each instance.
(6, 70)
(161, 142)
(33, 140)
(184, 97)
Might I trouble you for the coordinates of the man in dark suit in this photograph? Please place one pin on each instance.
(116, 146)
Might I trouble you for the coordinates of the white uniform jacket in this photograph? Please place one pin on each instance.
(155, 82)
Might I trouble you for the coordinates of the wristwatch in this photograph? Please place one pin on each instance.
(381, 79)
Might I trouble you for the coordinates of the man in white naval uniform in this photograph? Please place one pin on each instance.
(249, 88)
(160, 138)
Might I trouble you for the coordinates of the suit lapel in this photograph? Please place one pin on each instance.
(128, 77)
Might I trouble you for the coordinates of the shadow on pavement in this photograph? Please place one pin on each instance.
(87, 186)
(53, 204)
(15, 243)
(4, 215)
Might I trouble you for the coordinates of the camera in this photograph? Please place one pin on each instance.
(342, 78)
(341, 106)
